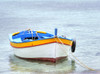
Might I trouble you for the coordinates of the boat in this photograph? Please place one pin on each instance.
(40, 45)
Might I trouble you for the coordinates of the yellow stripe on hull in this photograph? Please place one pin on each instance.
(15, 33)
(40, 42)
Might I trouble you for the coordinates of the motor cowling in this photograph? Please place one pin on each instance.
(73, 47)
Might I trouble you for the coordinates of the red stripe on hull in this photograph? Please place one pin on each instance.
(45, 59)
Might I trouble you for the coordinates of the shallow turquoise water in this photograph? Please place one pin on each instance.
(72, 19)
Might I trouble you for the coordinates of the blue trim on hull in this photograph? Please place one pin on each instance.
(20, 37)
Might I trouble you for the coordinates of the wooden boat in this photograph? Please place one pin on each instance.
(40, 45)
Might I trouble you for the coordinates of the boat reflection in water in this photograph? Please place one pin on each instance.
(24, 65)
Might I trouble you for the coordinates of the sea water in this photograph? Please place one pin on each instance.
(79, 20)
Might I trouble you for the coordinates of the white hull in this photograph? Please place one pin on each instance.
(52, 50)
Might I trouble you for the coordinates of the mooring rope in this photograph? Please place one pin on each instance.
(37, 35)
(67, 53)
(60, 46)
(32, 34)
(81, 63)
